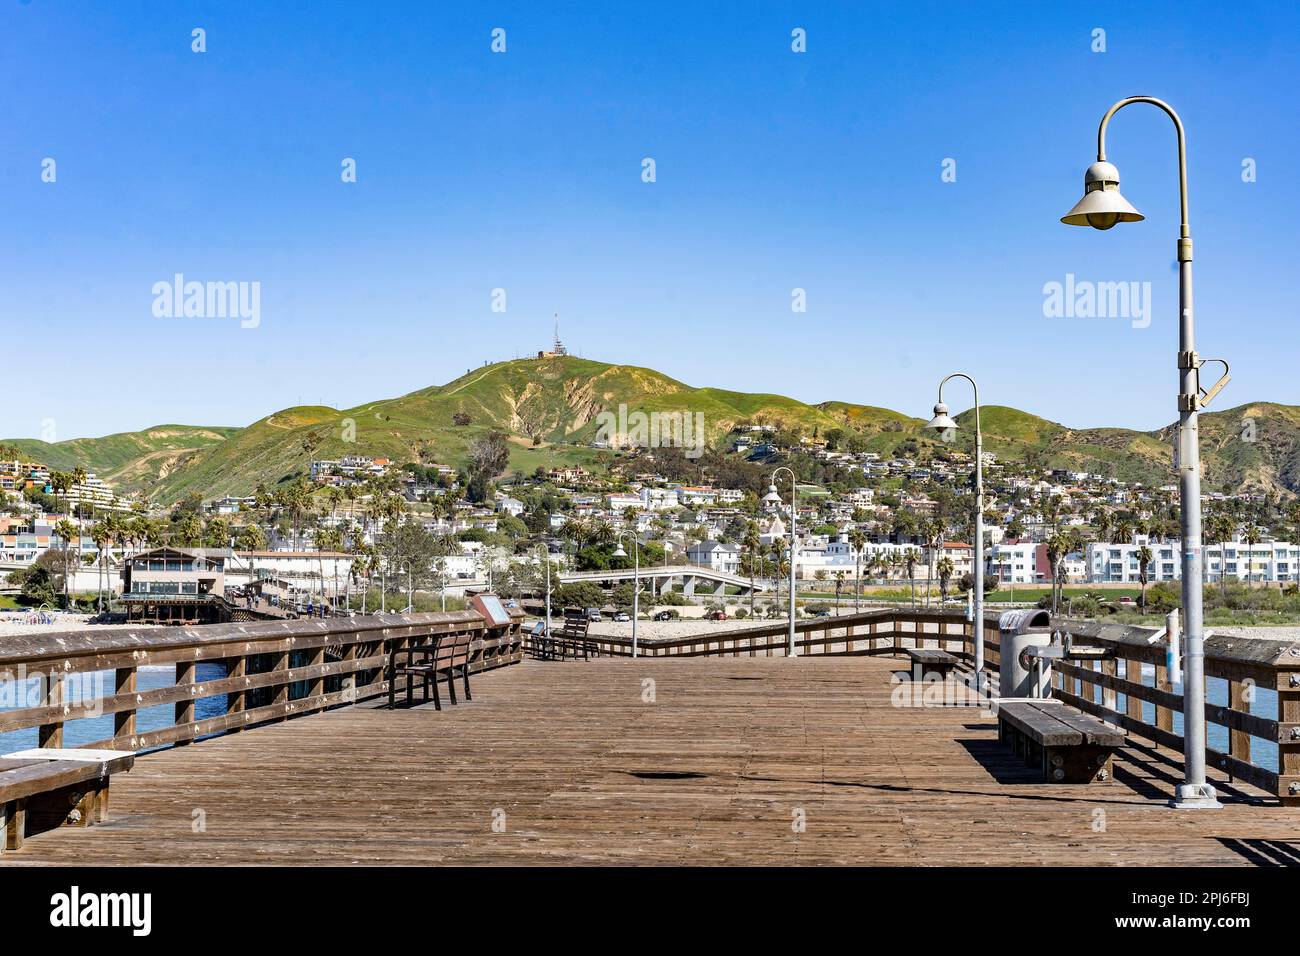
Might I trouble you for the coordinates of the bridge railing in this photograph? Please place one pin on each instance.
(1117, 673)
(255, 674)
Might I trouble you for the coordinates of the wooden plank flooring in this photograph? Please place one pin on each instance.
(573, 766)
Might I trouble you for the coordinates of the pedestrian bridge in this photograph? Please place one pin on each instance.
(688, 578)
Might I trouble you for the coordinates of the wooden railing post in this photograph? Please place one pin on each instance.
(1133, 674)
(1239, 740)
(1109, 698)
(281, 696)
(1164, 716)
(184, 708)
(237, 667)
(317, 686)
(124, 720)
(1288, 750)
(51, 735)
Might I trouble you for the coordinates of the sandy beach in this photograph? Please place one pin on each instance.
(15, 623)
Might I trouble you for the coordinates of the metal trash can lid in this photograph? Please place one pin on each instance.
(1020, 620)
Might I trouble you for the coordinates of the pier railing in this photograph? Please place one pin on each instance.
(267, 672)
(1115, 672)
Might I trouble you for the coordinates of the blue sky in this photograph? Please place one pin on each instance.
(775, 170)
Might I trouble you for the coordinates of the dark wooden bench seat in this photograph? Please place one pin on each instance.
(569, 640)
(932, 659)
(1067, 744)
(447, 655)
(46, 787)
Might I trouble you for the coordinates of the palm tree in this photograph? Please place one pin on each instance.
(1251, 535)
(1057, 547)
(1220, 528)
(944, 570)
(751, 544)
(934, 533)
(909, 559)
(857, 541)
(1144, 562)
(66, 530)
(839, 586)
(1102, 521)
(61, 482)
(101, 534)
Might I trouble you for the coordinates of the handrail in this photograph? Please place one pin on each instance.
(269, 671)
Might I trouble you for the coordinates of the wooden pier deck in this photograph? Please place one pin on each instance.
(573, 765)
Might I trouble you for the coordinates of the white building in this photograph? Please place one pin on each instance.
(509, 506)
(715, 555)
(659, 499)
(1014, 562)
(1267, 561)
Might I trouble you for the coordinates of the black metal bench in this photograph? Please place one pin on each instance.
(45, 788)
(1067, 744)
(932, 659)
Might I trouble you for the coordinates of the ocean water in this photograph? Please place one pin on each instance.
(77, 733)
(1263, 753)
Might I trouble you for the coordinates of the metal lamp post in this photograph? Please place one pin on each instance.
(546, 558)
(942, 422)
(1102, 207)
(636, 579)
(773, 499)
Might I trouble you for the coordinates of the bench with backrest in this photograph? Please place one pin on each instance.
(446, 656)
(45, 788)
(1068, 745)
(572, 640)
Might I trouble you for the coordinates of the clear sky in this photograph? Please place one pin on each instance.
(775, 170)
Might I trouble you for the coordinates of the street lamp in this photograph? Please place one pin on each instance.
(1102, 207)
(773, 500)
(546, 559)
(943, 423)
(636, 579)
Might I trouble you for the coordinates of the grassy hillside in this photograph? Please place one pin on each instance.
(550, 408)
(128, 460)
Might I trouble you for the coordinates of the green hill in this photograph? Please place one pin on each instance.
(128, 460)
(550, 408)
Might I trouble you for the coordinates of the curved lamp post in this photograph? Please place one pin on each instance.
(942, 422)
(773, 499)
(636, 578)
(1102, 207)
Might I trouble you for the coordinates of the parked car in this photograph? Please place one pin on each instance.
(593, 615)
(716, 615)
(668, 615)
(822, 613)
(621, 616)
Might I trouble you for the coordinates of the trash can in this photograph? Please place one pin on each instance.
(1017, 631)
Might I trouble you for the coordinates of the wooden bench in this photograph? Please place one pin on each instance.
(446, 656)
(932, 659)
(45, 788)
(1067, 744)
